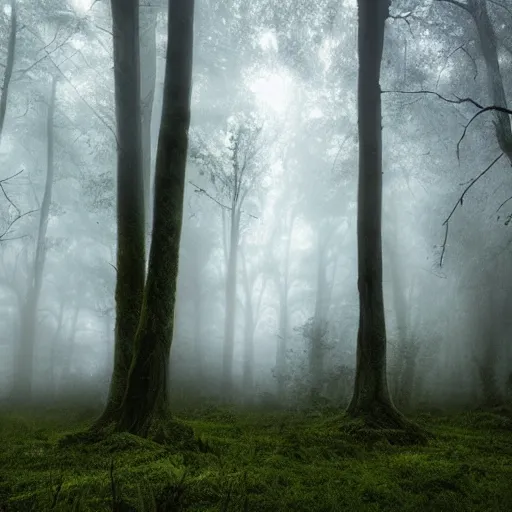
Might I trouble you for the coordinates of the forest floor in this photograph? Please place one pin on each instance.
(258, 461)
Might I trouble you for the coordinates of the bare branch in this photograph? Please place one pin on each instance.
(404, 17)
(503, 204)
(13, 221)
(11, 177)
(473, 181)
(458, 100)
(203, 191)
(462, 49)
(460, 202)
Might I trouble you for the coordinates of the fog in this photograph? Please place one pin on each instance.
(274, 100)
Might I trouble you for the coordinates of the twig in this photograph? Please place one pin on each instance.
(11, 224)
(404, 17)
(503, 204)
(473, 181)
(460, 202)
(203, 191)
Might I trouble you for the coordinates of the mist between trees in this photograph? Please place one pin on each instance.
(311, 207)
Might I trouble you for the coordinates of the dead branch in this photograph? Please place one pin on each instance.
(458, 100)
(462, 49)
(11, 224)
(460, 202)
(201, 190)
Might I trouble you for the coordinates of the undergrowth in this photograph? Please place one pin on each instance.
(257, 461)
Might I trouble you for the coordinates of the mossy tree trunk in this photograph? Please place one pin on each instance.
(24, 368)
(145, 402)
(130, 198)
(371, 399)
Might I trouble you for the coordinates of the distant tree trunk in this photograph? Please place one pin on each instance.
(230, 315)
(371, 399)
(145, 402)
(249, 327)
(322, 302)
(148, 21)
(130, 198)
(316, 349)
(198, 324)
(53, 351)
(489, 350)
(284, 290)
(489, 45)
(407, 349)
(11, 49)
(22, 390)
(68, 350)
(252, 316)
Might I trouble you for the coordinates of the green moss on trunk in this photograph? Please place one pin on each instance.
(144, 410)
(130, 199)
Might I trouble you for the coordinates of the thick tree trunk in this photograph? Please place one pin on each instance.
(130, 198)
(22, 390)
(371, 399)
(145, 402)
(11, 49)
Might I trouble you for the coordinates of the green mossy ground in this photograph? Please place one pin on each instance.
(258, 461)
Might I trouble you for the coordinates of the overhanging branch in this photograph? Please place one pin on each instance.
(458, 101)
(460, 202)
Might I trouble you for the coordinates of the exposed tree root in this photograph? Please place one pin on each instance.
(382, 421)
(170, 432)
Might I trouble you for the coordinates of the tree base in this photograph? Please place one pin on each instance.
(170, 432)
(382, 421)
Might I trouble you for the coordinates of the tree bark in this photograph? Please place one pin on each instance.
(130, 198)
(145, 403)
(22, 389)
(371, 399)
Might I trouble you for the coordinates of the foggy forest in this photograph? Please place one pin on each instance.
(254, 255)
